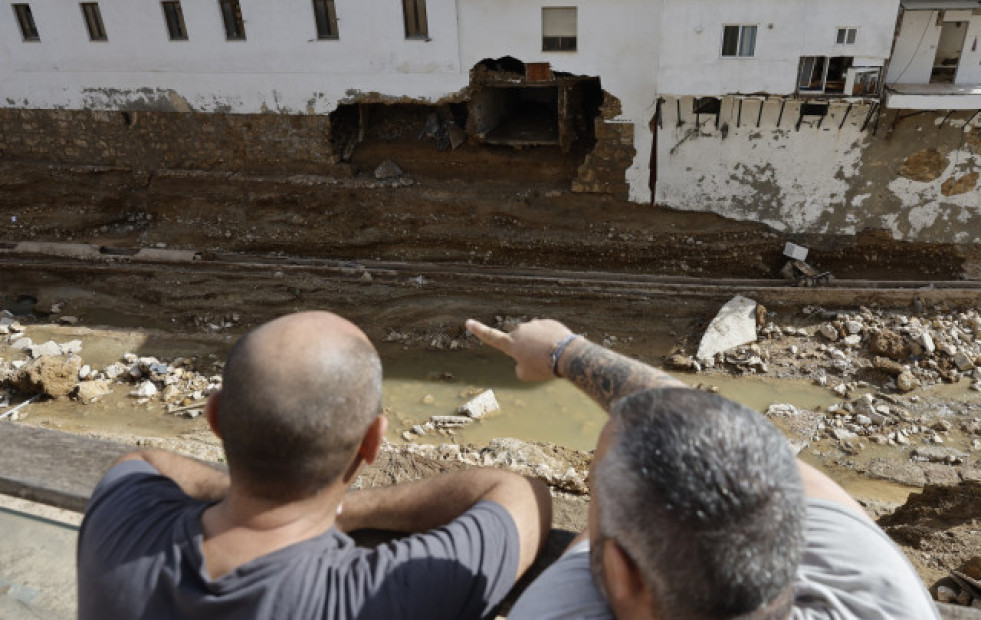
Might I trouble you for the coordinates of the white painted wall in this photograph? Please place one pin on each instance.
(969, 71)
(282, 67)
(916, 48)
(691, 42)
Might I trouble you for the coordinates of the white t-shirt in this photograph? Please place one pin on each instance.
(850, 570)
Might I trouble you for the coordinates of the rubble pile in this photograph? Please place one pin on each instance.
(899, 352)
(57, 370)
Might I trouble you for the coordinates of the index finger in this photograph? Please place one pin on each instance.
(490, 336)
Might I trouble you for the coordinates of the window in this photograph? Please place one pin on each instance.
(559, 29)
(326, 17)
(414, 12)
(846, 36)
(820, 74)
(26, 20)
(93, 21)
(174, 17)
(706, 105)
(231, 14)
(739, 41)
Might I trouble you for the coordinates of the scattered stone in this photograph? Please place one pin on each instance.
(963, 362)
(842, 434)
(145, 390)
(90, 391)
(888, 343)
(939, 454)
(853, 340)
(887, 366)
(926, 340)
(115, 370)
(84, 372)
(733, 326)
(906, 382)
(682, 362)
(853, 327)
(481, 405)
(68, 320)
(72, 347)
(22, 344)
(828, 331)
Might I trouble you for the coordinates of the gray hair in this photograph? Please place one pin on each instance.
(705, 497)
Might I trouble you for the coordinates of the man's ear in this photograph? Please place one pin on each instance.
(211, 412)
(372, 440)
(624, 585)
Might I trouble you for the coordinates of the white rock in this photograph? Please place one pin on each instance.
(853, 340)
(49, 348)
(733, 326)
(480, 405)
(145, 390)
(114, 370)
(828, 331)
(72, 346)
(782, 409)
(853, 327)
(22, 344)
(84, 371)
(926, 340)
(841, 389)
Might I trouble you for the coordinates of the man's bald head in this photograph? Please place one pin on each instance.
(298, 395)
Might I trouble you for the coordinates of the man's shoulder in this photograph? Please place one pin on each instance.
(849, 564)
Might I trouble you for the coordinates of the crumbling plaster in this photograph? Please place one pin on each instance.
(823, 179)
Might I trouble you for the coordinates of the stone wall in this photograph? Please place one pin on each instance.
(254, 143)
(605, 167)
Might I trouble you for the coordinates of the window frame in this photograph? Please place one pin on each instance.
(418, 26)
(234, 29)
(96, 27)
(847, 30)
(25, 20)
(179, 16)
(560, 43)
(329, 13)
(739, 40)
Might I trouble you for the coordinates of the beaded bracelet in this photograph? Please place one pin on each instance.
(557, 351)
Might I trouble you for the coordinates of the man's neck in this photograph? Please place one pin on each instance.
(241, 528)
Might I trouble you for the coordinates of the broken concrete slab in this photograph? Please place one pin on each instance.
(733, 326)
(480, 405)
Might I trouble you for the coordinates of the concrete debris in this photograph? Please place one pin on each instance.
(145, 390)
(480, 405)
(49, 348)
(906, 382)
(22, 344)
(90, 391)
(451, 421)
(733, 326)
(48, 375)
(828, 331)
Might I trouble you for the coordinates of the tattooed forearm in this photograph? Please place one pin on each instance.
(607, 376)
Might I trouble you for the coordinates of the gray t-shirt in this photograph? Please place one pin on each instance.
(849, 570)
(139, 556)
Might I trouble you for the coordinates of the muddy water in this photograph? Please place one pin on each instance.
(421, 384)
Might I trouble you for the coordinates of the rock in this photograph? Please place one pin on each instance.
(782, 409)
(388, 169)
(71, 347)
(963, 362)
(906, 382)
(887, 366)
(841, 389)
(828, 331)
(90, 391)
(68, 320)
(926, 341)
(842, 434)
(681, 362)
(480, 405)
(145, 390)
(49, 348)
(853, 327)
(406, 435)
(22, 344)
(115, 370)
(939, 454)
(51, 376)
(946, 594)
(84, 372)
(888, 343)
(853, 340)
(863, 420)
(428, 399)
(733, 326)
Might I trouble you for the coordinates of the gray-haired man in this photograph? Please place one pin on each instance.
(699, 509)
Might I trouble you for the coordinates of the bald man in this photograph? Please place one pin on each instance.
(299, 414)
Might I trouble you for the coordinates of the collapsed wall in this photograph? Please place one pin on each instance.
(819, 167)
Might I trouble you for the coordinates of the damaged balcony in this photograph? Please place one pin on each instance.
(936, 63)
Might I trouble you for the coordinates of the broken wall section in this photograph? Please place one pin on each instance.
(828, 168)
(254, 143)
(605, 168)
